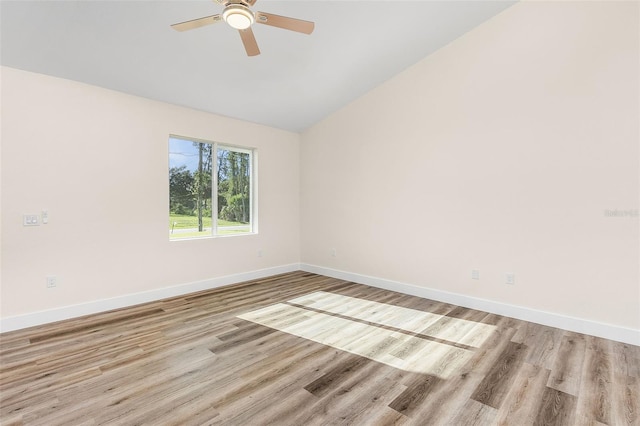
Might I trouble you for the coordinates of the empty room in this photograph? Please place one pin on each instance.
(241, 212)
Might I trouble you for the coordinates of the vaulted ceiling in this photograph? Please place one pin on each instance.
(297, 80)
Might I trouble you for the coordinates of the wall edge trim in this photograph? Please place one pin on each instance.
(579, 325)
(33, 319)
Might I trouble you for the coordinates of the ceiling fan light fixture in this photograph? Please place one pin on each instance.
(238, 16)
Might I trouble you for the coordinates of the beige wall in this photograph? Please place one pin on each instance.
(499, 152)
(98, 161)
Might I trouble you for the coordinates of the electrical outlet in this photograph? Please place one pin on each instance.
(509, 278)
(52, 281)
(260, 253)
(475, 274)
(334, 253)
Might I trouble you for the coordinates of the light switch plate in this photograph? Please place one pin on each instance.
(30, 220)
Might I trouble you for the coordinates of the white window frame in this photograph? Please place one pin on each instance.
(253, 187)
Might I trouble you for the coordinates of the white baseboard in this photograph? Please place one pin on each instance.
(579, 325)
(608, 331)
(74, 311)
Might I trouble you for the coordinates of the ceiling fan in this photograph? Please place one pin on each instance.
(238, 15)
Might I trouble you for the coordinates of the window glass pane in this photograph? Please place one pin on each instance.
(234, 191)
(190, 188)
(210, 189)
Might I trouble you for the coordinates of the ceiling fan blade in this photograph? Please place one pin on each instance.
(251, 2)
(249, 41)
(197, 23)
(292, 24)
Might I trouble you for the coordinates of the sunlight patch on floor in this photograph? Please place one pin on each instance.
(456, 330)
(394, 342)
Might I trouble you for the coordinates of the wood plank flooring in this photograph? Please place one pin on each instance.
(303, 349)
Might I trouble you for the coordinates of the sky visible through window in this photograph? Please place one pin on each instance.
(183, 153)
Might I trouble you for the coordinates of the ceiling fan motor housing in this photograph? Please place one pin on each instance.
(238, 16)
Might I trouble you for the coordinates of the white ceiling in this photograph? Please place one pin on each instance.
(297, 80)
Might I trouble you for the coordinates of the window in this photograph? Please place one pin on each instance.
(211, 189)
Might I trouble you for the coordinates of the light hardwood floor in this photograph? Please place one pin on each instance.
(303, 349)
